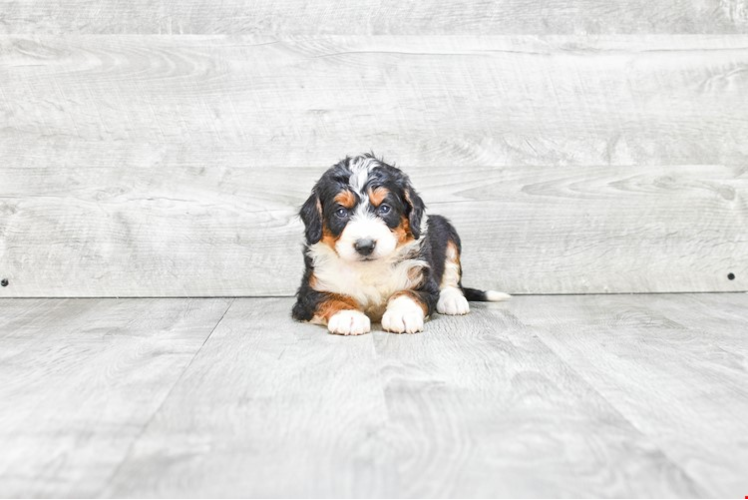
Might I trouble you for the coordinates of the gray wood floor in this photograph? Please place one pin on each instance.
(607, 395)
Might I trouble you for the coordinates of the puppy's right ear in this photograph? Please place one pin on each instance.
(416, 208)
(311, 215)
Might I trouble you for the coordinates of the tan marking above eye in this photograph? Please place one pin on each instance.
(346, 199)
(377, 196)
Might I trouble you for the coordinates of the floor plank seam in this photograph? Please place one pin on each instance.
(613, 396)
(289, 296)
(147, 424)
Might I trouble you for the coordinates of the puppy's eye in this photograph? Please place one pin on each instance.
(384, 209)
(341, 212)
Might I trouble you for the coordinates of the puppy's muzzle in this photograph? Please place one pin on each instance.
(365, 246)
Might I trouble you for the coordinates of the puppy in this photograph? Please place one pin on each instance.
(372, 254)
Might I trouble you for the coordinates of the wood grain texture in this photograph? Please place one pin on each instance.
(596, 396)
(189, 230)
(80, 380)
(476, 406)
(377, 17)
(462, 101)
(674, 366)
(271, 408)
(479, 407)
(172, 166)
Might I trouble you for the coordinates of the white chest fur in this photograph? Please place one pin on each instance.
(370, 283)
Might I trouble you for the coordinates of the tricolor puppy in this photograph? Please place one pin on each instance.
(372, 254)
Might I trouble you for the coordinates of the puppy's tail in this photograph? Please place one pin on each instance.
(475, 295)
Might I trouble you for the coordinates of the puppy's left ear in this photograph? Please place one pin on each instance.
(415, 210)
(311, 215)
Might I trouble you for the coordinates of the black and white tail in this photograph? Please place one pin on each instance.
(475, 295)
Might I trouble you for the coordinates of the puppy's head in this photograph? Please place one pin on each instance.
(363, 209)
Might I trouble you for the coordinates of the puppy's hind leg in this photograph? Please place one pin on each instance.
(451, 299)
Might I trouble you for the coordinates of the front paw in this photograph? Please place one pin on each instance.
(349, 322)
(403, 316)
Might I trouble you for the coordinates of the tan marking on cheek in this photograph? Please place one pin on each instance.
(402, 232)
(412, 296)
(328, 238)
(377, 196)
(346, 198)
(332, 305)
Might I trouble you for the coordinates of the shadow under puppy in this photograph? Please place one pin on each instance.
(372, 253)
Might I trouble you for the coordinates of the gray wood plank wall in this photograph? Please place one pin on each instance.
(380, 17)
(585, 148)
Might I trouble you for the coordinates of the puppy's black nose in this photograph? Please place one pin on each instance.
(364, 246)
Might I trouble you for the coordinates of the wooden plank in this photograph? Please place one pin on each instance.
(604, 396)
(81, 378)
(474, 407)
(462, 101)
(378, 17)
(669, 365)
(269, 408)
(172, 166)
(479, 407)
(181, 229)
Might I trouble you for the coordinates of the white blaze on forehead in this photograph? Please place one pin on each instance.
(360, 168)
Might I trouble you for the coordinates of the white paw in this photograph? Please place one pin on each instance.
(403, 316)
(452, 302)
(349, 322)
